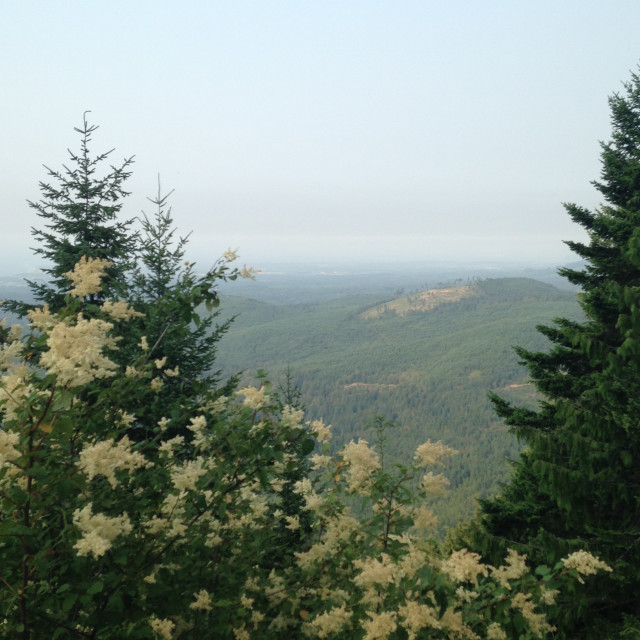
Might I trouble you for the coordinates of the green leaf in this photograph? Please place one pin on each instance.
(96, 587)
(69, 601)
(308, 446)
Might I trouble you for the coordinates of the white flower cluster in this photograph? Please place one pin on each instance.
(8, 442)
(87, 275)
(362, 462)
(14, 390)
(431, 453)
(106, 458)
(99, 530)
(253, 398)
(514, 568)
(320, 430)
(464, 566)
(163, 627)
(586, 564)
(75, 351)
(120, 310)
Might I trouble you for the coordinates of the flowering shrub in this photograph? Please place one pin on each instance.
(177, 534)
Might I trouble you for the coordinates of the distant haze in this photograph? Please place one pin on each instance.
(356, 130)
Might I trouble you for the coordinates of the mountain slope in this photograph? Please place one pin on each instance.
(428, 366)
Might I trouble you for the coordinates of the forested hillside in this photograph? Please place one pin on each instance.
(427, 367)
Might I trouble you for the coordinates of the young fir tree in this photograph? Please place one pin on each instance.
(80, 208)
(178, 321)
(577, 484)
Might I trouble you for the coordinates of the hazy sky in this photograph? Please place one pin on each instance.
(377, 130)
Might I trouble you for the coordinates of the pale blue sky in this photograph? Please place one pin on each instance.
(328, 129)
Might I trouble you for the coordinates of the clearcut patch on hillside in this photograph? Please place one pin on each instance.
(420, 302)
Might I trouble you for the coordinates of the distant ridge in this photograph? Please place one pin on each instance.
(420, 302)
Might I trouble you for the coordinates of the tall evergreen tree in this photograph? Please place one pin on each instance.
(80, 208)
(577, 484)
(178, 317)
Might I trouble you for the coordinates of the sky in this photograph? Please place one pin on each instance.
(328, 130)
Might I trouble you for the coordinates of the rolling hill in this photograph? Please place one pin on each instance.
(426, 361)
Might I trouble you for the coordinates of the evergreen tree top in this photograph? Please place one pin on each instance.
(80, 206)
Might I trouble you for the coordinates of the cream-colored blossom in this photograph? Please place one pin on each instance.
(293, 522)
(331, 622)
(435, 485)
(256, 618)
(374, 571)
(155, 525)
(252, 584)
(184, 477)
(314, 502)
(514, 568)
(14, 333)
(413, 560)
(10, 353)
(202, 601)
(586, 564)
(156, 384)
(248, 272)
(197, 427)
(163, 422)
(338, 529)
(303, 487)
(125, 419)
(291, 417)
(218, 405)
(241, 633)
(41, 318)
(321, 431)
(160, 362)
(424, 519)
(106, 458)
(98, 531)
(230, 255)
(246, 602)
(537, 621)
(320, 461)
(416, 616)
(276, 590)
(87, 276)
(169, 446)
(253, 398)
(452, 621)
(362, 463)
(549, 595)
(163, 627)
(143, 344)
(464, 595)
(178, 528)
(380, 625)
(132, 372)
(14, 390)
(120, 310)
(464, 566)
(431, 453)
(75, 352)
(496, 632)
(172, 373)
(8, 442)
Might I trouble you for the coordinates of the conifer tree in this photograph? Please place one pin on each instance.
(577, 484)
(80, 206)
(178, 319)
